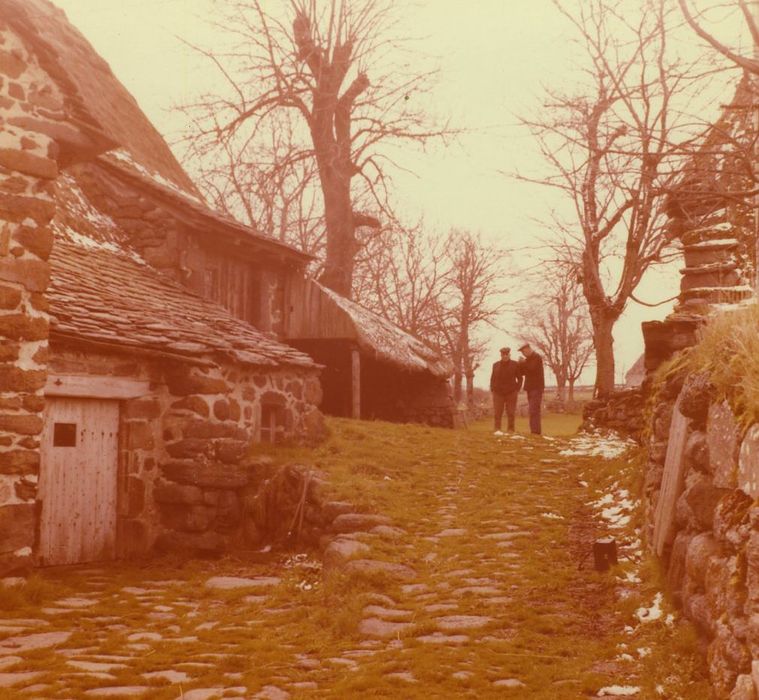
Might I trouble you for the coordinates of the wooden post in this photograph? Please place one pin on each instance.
(356, 383)
(754, 84)
(604, 553)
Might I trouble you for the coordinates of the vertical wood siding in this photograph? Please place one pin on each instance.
(78, 485)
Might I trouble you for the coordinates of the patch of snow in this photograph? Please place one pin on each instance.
(652, 613)
(584, 484)
(618, 691)
(643, 652)
(126, 157)
(615, 517)
(81, 207)
(88, 243)
(715, 242)
(597, 445)
(552, 516)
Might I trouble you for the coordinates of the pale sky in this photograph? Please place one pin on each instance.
(494, 56)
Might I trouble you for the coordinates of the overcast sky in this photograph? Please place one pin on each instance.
(494, 56)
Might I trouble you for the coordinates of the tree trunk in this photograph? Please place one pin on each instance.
(341, 238)
(560, 382)
(470, 389)
(457, 377)
(571, 392)
(603, 342)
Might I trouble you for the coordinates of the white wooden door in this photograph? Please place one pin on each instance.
(78, 481)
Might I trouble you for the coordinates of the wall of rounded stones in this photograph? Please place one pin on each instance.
(622, 412)
(184, 470)
(711, 550)
(206, 474)
(31, 109)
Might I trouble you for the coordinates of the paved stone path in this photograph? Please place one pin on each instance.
(475, 594)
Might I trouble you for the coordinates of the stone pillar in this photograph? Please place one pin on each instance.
(712, 275)
(27, 172)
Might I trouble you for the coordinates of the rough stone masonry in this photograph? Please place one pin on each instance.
(31, 111)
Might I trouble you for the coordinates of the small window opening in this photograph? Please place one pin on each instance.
(272, 423)
(64, 435)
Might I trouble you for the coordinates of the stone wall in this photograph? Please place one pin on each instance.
(622, 412)
(184, 463)
(212, 422)
(710, 550)
(30, 110)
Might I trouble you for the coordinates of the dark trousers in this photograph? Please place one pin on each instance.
(534, 402)
(501, 402)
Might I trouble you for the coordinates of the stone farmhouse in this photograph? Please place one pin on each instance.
(146, 341)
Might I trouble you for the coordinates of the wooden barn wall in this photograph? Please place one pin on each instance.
(312, 314)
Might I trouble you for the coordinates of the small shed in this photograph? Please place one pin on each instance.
(372, 368)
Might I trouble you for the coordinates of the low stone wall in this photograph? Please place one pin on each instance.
(256, 503)
(622, 412)
(701, 479)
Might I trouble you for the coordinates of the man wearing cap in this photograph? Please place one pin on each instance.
(505, 382)
(531, 368)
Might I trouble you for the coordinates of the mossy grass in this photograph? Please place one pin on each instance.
(728, 350)
(556, 627)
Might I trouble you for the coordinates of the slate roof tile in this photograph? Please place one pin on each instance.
(99, 295)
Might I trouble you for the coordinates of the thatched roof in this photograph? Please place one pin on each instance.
(328, 315)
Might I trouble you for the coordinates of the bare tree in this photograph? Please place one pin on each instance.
(611, 153)
(342, 69)
(555, 321)
(401, 276)
(749, 13)
(470, 300)
(265, 184)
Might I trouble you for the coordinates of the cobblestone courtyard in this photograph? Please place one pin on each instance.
(483, 589)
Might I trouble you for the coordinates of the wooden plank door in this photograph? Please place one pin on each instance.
(78, 481)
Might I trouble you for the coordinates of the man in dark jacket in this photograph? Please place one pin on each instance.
(505, 382)
(531, 368)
